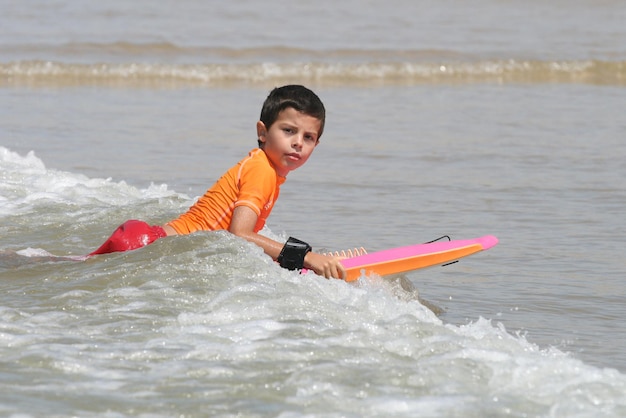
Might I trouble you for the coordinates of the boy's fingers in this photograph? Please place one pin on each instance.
(333, 269)
(339, 271)
(342, 270)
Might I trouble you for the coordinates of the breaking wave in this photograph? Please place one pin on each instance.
(54, 73)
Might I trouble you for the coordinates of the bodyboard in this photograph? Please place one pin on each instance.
(414, 257)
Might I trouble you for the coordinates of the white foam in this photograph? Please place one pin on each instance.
(27, 184)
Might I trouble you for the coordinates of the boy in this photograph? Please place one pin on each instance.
(291, 123)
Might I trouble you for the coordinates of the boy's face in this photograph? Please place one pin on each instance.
(290, 141)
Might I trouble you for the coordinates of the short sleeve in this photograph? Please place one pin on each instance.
(257, 183)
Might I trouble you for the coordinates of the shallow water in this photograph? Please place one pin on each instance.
(132, 114)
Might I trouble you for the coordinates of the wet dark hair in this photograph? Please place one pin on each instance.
(297, 97)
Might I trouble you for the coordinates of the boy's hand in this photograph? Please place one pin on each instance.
(325, 265)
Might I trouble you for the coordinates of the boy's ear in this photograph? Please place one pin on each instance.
(261, 131)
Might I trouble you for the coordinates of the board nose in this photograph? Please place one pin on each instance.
(487, 241)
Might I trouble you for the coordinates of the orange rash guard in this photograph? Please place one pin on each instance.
(252, 182)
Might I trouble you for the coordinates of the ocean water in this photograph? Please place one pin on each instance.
(444, 118)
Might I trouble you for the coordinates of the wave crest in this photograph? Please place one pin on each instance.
(35, 73)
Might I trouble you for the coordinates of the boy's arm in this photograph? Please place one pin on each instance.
(242, 224)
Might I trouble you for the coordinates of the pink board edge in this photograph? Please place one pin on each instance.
(485, 242)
